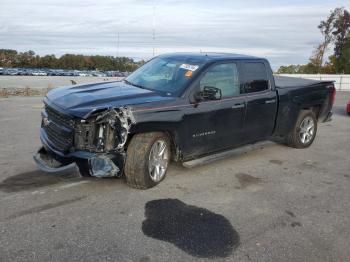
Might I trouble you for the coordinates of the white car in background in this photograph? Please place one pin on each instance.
(39, 73)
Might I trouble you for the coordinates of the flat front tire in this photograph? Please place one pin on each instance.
(304, 131)
(147, 159)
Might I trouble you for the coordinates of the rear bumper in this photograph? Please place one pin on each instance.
(328, 118)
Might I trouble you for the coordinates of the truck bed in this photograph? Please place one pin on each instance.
(285, 82)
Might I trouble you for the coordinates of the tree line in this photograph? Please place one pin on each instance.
(12, 58)
(336, 36)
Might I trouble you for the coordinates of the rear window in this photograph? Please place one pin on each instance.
(256, 79)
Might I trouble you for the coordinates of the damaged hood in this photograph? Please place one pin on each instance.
(82, 100)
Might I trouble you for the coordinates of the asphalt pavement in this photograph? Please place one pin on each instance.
(272, 203)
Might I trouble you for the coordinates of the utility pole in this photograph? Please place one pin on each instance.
(118, 44)
(154, 28)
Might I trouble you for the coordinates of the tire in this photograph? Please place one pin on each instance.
(296, 137)
(141, 158)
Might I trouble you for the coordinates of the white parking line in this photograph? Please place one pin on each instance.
(73, 184)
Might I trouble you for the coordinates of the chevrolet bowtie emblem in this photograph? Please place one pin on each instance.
(46, 121)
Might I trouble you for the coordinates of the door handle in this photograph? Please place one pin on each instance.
(270, 101)
(235, 106)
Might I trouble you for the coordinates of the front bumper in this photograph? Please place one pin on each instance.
(98, 165)
(47, 164)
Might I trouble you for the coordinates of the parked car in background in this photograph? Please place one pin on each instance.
(11, 71)
(348, 108)
(39, 73)
(60, 72)
(84, 74)
(99, 74)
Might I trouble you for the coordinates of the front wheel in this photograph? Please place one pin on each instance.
(147, 160)
(304, 132)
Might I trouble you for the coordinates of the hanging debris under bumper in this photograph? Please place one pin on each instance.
(98, 165)
(48, 164)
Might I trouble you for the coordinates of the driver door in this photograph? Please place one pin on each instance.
(213, 125)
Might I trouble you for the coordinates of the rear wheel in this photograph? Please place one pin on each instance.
(304, 132)
(147, 160)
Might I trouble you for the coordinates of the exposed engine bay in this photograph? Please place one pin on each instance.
(104, 132)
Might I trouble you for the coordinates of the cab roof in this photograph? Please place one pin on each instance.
(209, 57)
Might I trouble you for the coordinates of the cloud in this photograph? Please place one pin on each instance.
(283, 31)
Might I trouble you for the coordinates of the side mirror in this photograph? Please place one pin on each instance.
(208, 93)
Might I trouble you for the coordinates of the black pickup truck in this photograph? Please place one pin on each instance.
(176, 107)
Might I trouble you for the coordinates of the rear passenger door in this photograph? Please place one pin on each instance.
(261, 101)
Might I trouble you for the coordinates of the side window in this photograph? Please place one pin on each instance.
(224, 77)
(256, 79)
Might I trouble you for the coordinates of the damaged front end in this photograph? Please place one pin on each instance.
(105, 134)
(97, 142)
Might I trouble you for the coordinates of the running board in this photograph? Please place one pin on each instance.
(225, 154)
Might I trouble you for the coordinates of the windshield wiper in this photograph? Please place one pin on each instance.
(132, 84)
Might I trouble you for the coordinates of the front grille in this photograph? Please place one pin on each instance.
(59, 129)
(58, 117)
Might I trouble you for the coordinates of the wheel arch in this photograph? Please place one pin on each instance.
(316, 109)
(167, 128)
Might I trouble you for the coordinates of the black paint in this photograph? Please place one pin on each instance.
(236, 120)
(197, 231)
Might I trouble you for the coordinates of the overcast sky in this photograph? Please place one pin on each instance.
(284, 31)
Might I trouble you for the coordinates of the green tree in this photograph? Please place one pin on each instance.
(291, 69)
(336, 31)
(327, 28)
(8, 57)
(11, 58)
(341, 40)
(343, 59)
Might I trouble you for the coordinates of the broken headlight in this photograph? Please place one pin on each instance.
(105, 132)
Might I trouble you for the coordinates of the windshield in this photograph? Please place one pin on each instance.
(165, 75)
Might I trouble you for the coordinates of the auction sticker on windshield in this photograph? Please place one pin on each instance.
(189, 67)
